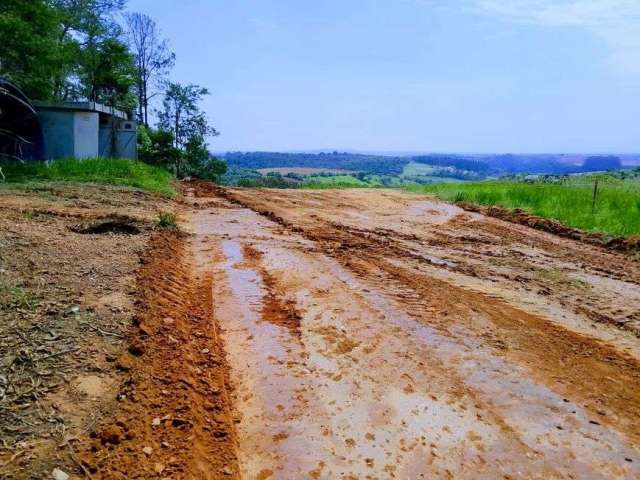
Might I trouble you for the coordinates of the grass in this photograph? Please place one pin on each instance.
(167, 220)
(18, 297)
(111, 171)
(617, 210)
(335, 181)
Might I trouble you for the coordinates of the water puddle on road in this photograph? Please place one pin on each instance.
(364, 390)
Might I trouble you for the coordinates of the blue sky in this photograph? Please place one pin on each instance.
(412, 75)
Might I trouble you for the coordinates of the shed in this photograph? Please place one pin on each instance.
(85, 130)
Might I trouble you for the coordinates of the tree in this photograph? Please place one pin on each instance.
(182, 116)
(152, 56)
(156, 148)
(84, 25)
(107, 73)
(29, 53)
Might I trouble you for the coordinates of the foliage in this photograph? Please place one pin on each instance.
(29, 53)
(156, 147)
(152, 56)
(268, 181)
(98, 170)
(458, 162)
(167, 220)
(66, 50)
(182, 116)
(617, 210)
(346, 161)
(107, 72)
(601, 163)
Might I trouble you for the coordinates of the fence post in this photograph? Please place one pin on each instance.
(595, 195)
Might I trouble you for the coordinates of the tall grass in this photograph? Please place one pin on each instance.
(617, 208)
(112, 171)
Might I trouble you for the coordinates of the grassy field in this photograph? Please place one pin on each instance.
(617, 209)
(336, 181)
(94, 170)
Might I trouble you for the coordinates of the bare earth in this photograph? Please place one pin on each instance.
(336, 334)
(378, 334)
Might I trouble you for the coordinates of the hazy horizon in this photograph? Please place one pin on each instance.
(476, 76)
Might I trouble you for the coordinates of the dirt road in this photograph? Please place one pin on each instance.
(377, 334)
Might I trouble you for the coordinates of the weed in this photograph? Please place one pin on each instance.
(17, 297)
(167, 220)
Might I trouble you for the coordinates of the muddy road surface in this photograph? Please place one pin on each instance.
(378, 334)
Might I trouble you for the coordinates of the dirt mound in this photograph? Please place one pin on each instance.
(519, 216)
(173, 418)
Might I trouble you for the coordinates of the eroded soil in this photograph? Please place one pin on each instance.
(377, 334)
(291, 334)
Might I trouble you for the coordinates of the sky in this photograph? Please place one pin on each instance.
(483, 76)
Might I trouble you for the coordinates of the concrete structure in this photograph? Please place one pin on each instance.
(86, 129)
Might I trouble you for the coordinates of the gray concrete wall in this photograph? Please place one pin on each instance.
(85, 134)
(79, 134)
(57, 128)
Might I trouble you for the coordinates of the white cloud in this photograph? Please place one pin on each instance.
(617, 22)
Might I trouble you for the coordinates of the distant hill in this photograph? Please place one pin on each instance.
(459, 164)
(344, 161)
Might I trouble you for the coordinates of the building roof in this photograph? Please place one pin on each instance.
(82, 107)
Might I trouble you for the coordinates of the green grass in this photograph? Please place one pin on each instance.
(111, 171)
(167, 220)
(617, 210)
(335, 181)
(415, 168)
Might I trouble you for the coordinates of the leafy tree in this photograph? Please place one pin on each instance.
(84, 26)
(156, 148)
(182, 116)
(107, 73)
(152, 56)
(29, 53)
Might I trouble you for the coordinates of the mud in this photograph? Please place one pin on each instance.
(354, 334)
(428, 342)
(173, 419)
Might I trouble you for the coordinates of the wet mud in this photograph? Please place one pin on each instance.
(376, 334)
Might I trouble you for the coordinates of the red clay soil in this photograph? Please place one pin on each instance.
(173, 419)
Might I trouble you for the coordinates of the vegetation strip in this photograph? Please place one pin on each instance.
(615, 212)
(110, 171)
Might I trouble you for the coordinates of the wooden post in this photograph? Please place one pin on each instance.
(595, 195)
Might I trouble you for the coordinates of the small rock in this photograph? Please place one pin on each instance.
(205, 350)
(58, 474)
(124, 363)
(111, 434)
(159, 467)
(155, 422)
(227, 471)
(147, 450)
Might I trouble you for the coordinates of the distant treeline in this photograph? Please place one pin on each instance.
(460, 163)
(346, 161)
(480, 165)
